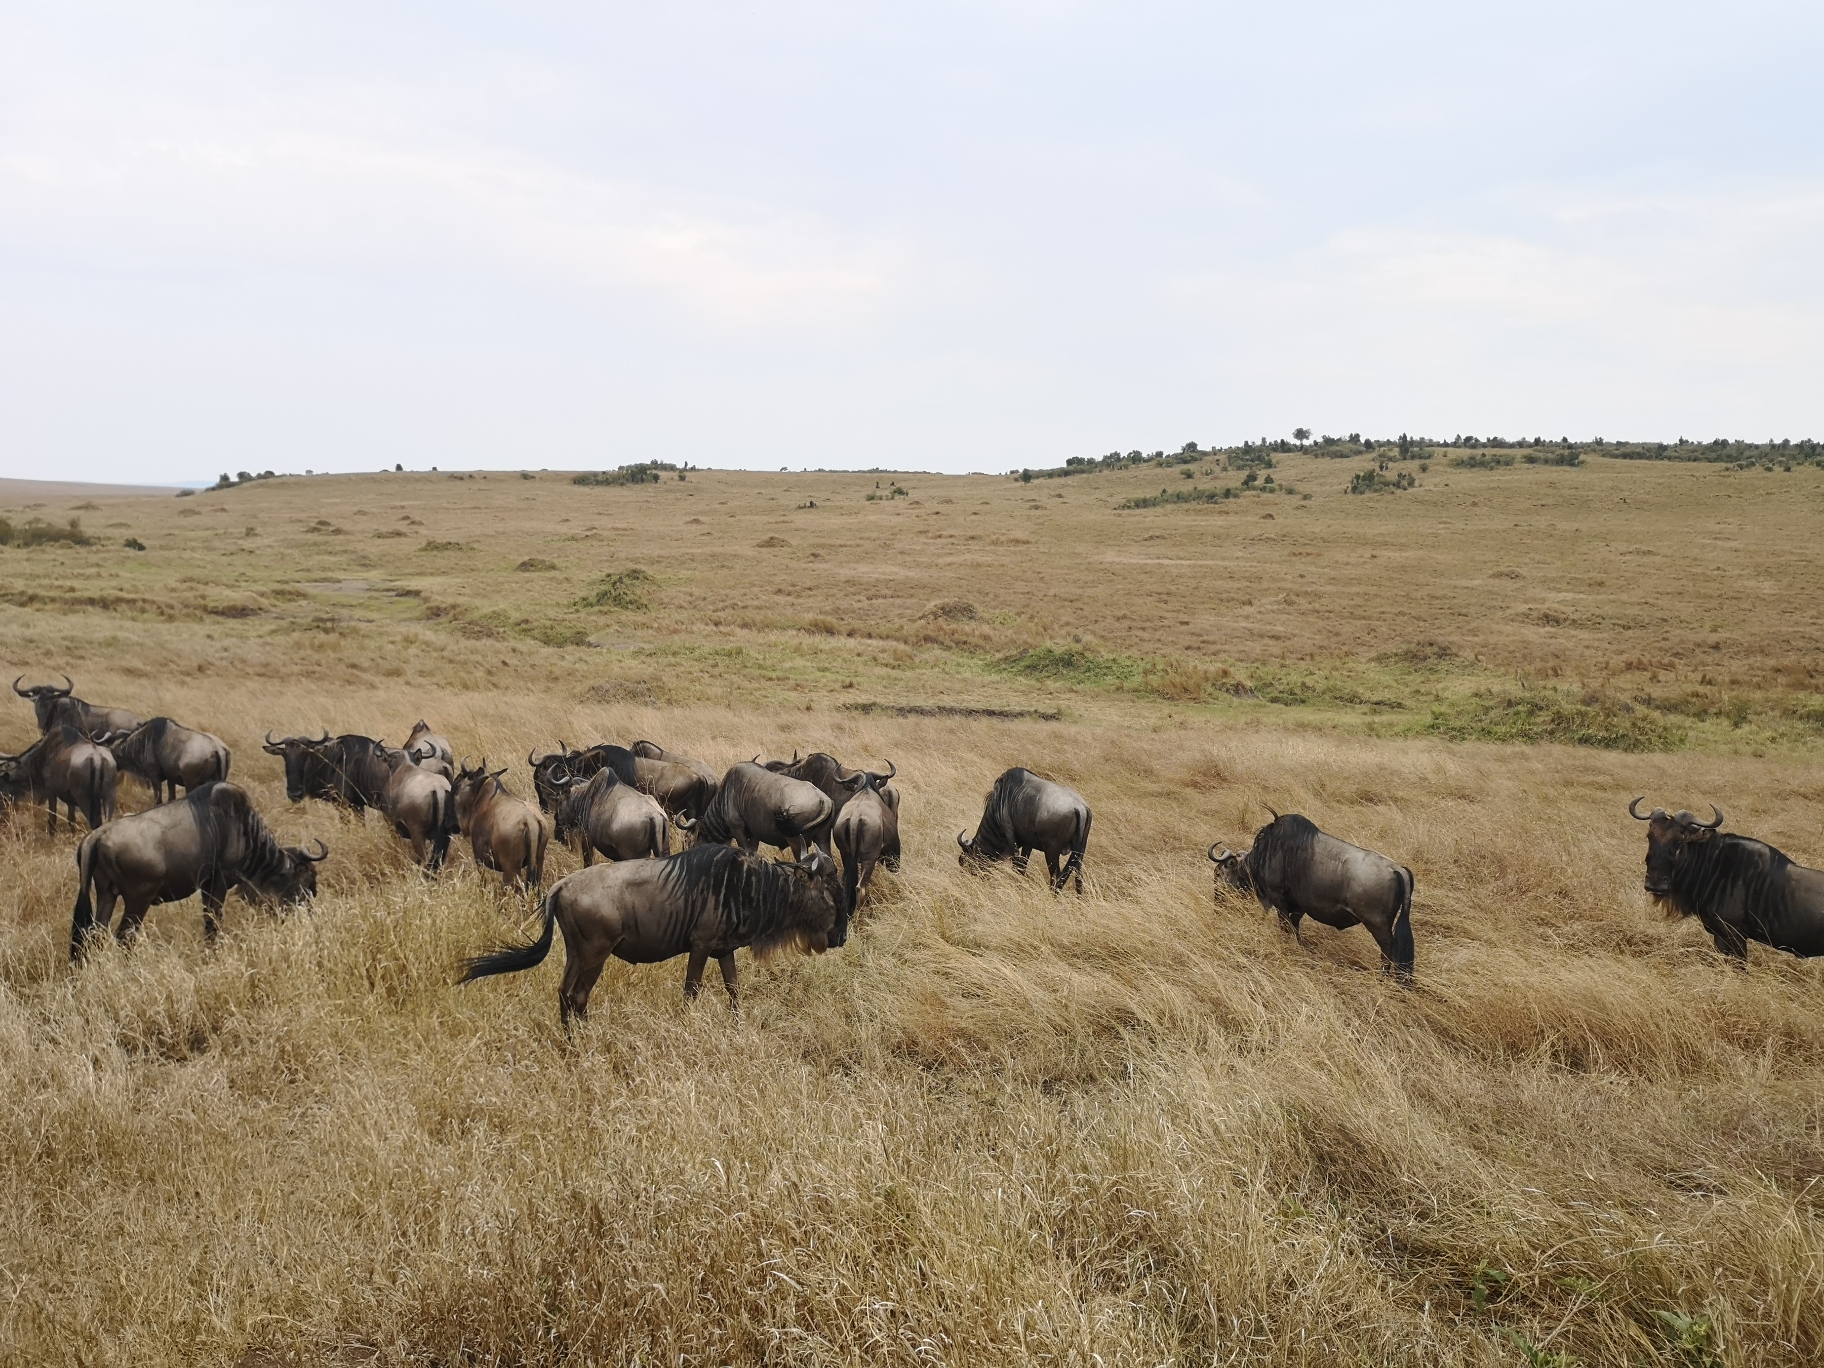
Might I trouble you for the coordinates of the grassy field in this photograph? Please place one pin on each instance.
(1139, 1127)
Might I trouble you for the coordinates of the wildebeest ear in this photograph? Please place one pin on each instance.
(497, 773)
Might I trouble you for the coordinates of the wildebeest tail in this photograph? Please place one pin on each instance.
(1400, 941)
(510, 959)
(1078, 844)
(443, 823)
(82, 920)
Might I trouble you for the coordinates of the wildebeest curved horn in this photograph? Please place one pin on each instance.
(531, 760)
(794, 755)
(892, 771)
(558, 774)
(321, 739)
(1636, 803)
(1714, 824)
(69, 685)
(687, 823)
(1214, 857)
(756, 759)
(269, 740)
(23, 693)
(960, 841)
(314, 859)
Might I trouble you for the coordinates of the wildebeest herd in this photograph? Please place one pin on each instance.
(706, 901)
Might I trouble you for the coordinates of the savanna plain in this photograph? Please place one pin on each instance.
(1140, 1126)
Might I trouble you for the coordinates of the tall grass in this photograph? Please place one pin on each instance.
(1139, 1126)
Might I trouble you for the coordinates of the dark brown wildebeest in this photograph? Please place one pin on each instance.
(707, 903)
(431, 751)
(1023, 813)
(612, 817)
(754, 805)
(57, 707)
(164, 754)
(1297, 871)
(211, 841)
(347, 769)
(63, 766)
(866, 833)
(506, 833)
(1739, 888)
(576, 764)
(418, 804)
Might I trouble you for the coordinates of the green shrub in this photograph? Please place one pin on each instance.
(641, 472)
(1543, 715)
(1379, 482)
(621, 591)
(1484, 460)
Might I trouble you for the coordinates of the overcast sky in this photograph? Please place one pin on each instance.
(933, 236)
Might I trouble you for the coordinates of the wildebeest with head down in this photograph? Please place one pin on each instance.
(866, 832)
(707, 903)
(611, 817)
(755, 805)
(1297, 871)
(1023, 813)
(211, 841)
(162, 753)
(55, 707)
(652, 750)
(431, 751)
(505, 832)
(63, 766)
(1739, 888)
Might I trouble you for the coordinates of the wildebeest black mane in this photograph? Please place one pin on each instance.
(32, 759)
(1280, 845)
(137, 752)
(1714, 868)
(994, 836)
(752, 894)
(264, 858)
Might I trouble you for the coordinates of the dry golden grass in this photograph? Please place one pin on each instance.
(1139, 1127)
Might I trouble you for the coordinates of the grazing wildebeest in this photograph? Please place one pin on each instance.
(576, 764)
(211, 841)
(417, 802)
(1741, 889)
(612, 817)
(57, 707)
(1296, 871)
(431, 751)
(1024, 813)
(164, 754)
(348, 769)
(707, 903)
(866, 832)
(505, 832)
(753, 804)
(63, 766)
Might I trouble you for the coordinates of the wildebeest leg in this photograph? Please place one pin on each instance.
(693, 972)
(1051, 872)
(51, 807)
(1020, 856)
(579, 982)
(128, 930)
(726, 963)
(865, 878)
(214, 895)
(1730, 941)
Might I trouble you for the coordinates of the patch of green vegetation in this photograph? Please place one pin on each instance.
(1547, 715)
(1196, 494)
(620, 590)
(244, 478)
(640, 472)
(877, 495)
(38, 532)
(1071, 665)
(1485, 460)
(1569, 457)
(1378, 481)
